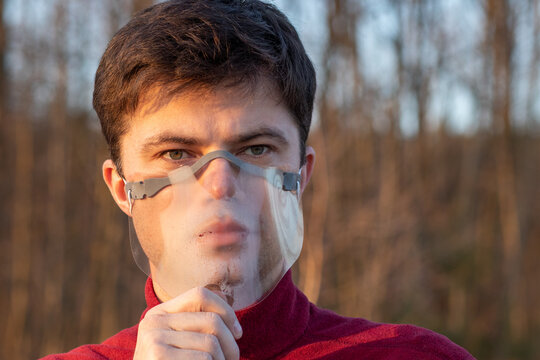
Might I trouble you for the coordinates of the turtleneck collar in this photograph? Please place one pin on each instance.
(270, 326)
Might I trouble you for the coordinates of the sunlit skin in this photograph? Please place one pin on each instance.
(253, 126)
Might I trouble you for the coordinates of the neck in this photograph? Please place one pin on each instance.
(160, 293)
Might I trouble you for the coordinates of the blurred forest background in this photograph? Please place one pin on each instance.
(423, 207)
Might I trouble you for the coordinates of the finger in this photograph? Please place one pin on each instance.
(203, 300)
(168, 352)
(189, 340)
(191, 354)
(183, 354)
(170, 344)
(207, 323)
(187, 354)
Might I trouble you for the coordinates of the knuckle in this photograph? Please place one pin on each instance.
(155, 311)
(151, 351)
(150, 345)
(153, 336)
(206, 356)
(214, 321)
(151, 322)
(200, 293)
(144, 327)
(159, 353)
(200, 297)
(211, 344)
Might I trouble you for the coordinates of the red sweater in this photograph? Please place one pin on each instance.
(285, 325)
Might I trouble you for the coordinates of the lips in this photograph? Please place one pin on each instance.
(223, 235)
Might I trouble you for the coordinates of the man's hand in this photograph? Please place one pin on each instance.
(198, 324)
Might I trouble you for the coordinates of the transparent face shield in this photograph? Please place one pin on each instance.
(220, 222)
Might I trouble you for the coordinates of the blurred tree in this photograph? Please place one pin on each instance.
(406, 219)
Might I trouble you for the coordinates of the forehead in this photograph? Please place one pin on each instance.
(212, 117)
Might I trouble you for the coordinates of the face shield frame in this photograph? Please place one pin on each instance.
(138, 190)
(288, 223)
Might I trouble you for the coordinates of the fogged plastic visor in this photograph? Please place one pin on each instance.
(221, 222)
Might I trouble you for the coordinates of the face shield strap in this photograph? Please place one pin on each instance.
(128, 192)
(291, 181)
(287, 181)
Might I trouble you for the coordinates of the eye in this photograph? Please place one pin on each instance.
(257, 150)
(175, 154)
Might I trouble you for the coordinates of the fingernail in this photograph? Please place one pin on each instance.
(237, 329)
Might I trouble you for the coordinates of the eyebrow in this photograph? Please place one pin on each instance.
(165, 138)
(262, 132)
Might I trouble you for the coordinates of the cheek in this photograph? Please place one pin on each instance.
(269, 249)
(270, 257)
(148, 224)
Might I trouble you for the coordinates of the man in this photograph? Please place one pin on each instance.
(206, 106)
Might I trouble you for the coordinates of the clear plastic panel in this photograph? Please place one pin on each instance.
(221, 223)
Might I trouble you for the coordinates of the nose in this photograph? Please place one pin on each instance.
(219, 179)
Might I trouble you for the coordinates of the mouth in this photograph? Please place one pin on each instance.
(225, 235)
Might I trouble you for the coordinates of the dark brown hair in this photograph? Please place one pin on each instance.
(200, 44)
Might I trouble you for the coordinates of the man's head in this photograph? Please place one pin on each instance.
(187, 78)
(194, 45)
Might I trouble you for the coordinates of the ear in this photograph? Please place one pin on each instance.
(116, 184)
(307, 169)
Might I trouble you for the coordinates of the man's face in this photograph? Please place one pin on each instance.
(213, 228)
